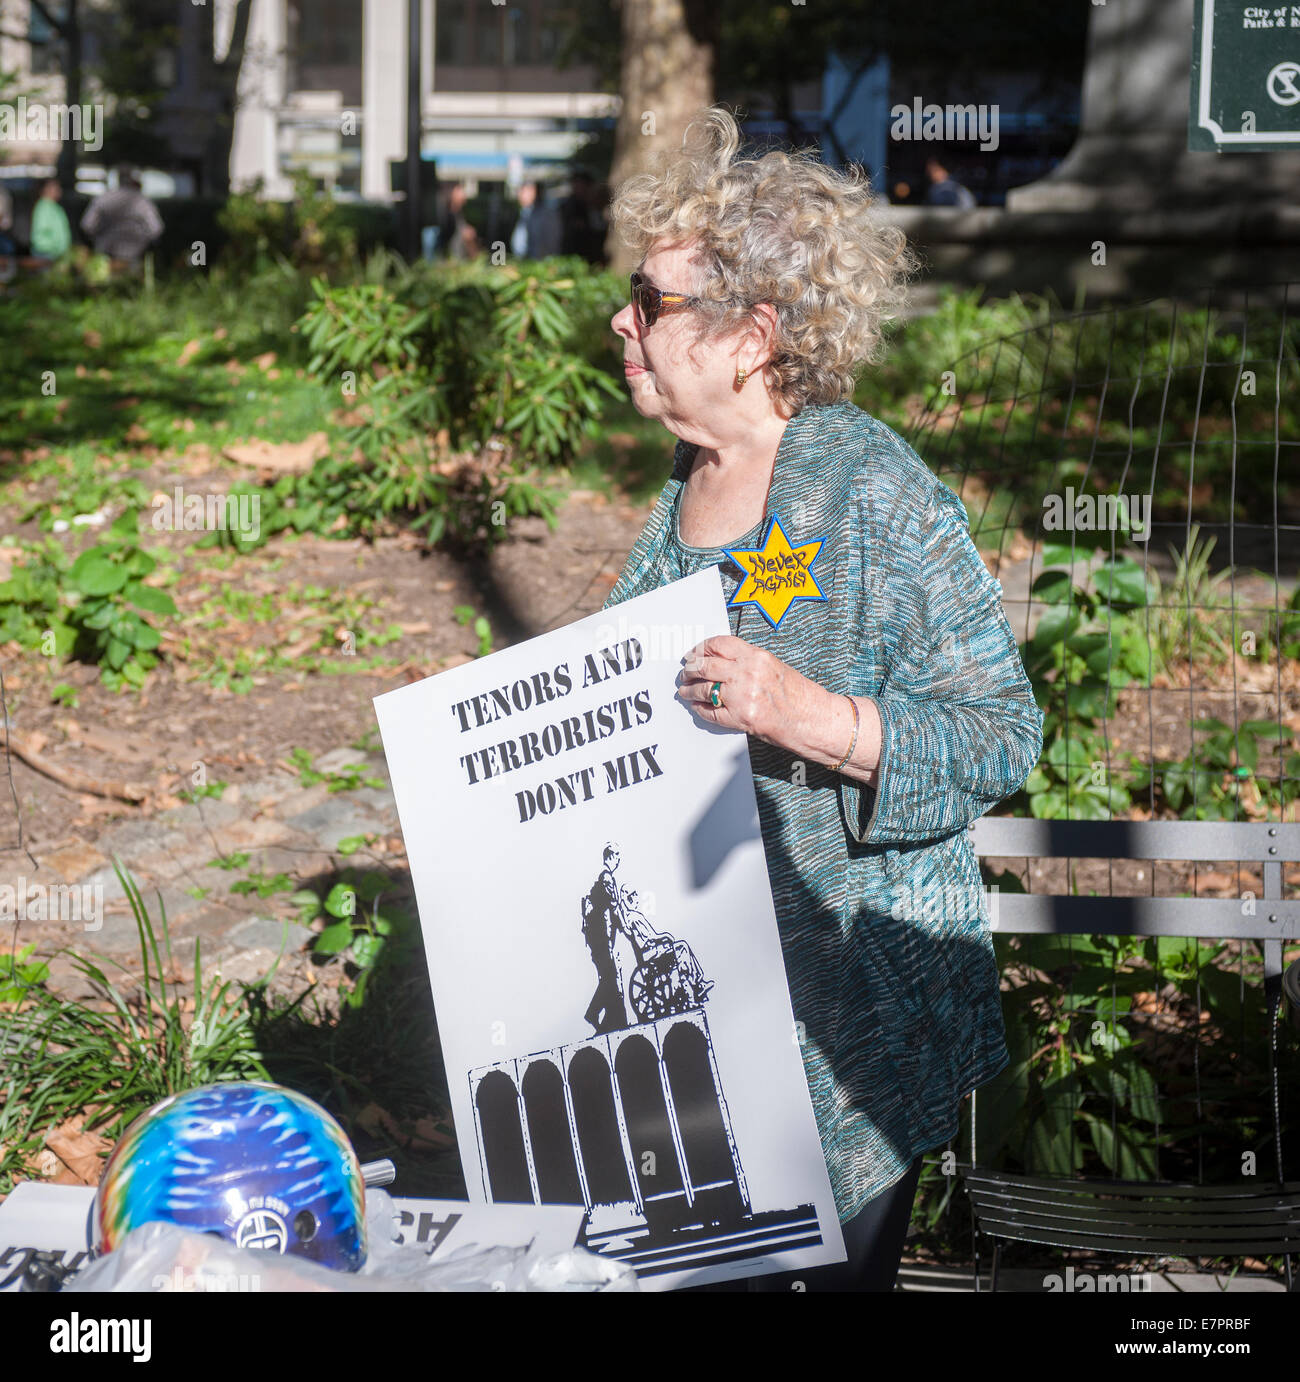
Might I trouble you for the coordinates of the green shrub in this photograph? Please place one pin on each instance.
(95, 607)
(465, 384)
(310, 232)
(1088, 643)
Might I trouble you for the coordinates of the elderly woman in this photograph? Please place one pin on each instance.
(871, 666)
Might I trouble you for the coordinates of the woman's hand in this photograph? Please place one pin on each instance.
(760, 694)
(767, 698)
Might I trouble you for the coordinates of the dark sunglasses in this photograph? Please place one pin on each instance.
(649, 301)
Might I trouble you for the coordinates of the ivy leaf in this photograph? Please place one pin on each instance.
(342, 901)
(366, 948)
(1122, 583)
(126, 524)
(1057, 554)
(93, 574)
(150, 599)
(100, 616)
(333, 939)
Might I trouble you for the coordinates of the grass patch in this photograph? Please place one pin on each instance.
(104, 1060)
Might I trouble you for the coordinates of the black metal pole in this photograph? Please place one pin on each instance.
(413, 122)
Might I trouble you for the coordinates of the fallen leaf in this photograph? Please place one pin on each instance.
(188, 352)
(429, 1134)
(374, 1120)
(79, 1151)
(296, 650)
(102, 741)
(280, 458)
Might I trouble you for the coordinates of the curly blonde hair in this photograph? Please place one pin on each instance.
(783, 229)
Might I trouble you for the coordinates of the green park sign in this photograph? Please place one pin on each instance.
(1245, 93)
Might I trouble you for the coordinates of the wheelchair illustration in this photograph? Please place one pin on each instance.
(666, 980)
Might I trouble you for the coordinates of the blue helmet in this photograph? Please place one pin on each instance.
(254, 1163)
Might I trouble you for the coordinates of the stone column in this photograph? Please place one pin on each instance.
(254, 150)
(383, 94)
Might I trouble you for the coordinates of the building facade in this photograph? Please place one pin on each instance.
(323, 89)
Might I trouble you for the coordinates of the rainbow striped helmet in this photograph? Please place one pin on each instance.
(254, 1163)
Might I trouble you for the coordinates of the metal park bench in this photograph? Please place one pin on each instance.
(1149, 1218)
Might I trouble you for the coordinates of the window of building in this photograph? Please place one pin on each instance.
(452, 19)
(329, 32)
(323, 40)
(550, 34)
(519, 36)
(46, 46)
(489, 25)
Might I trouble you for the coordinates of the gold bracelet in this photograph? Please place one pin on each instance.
(853, 743)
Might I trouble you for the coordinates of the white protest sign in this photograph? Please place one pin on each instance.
(38, 1218)
(603, 950)
(441, 1227)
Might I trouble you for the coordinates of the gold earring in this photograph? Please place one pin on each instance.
(741, 376)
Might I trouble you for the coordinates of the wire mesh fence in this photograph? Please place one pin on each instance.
(1132, 477)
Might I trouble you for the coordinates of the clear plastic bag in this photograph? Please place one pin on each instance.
(162, 1257)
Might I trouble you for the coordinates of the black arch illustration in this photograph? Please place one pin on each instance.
(503, 1140)
(548, 1132)
(593, 1110)
(645, 1114)
(709, 1161)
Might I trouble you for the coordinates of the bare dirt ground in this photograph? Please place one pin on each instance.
(535, 581)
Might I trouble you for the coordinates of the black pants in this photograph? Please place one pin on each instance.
(605, 1012)
(873, 1239)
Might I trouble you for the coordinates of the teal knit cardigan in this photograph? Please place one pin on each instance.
(883, 919)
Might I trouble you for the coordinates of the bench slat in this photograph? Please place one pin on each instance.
(1204, 917)
(1215, 1210)
(1288, 1192)
(1172, 1247)
(1156, 1226)
(1221, 841)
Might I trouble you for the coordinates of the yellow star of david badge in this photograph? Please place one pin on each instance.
(777, 574)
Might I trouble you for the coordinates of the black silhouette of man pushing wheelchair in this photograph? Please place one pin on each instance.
(667, 978)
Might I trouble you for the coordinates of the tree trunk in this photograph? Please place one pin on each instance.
(667, 79)
(220, 81)
(66, 165)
